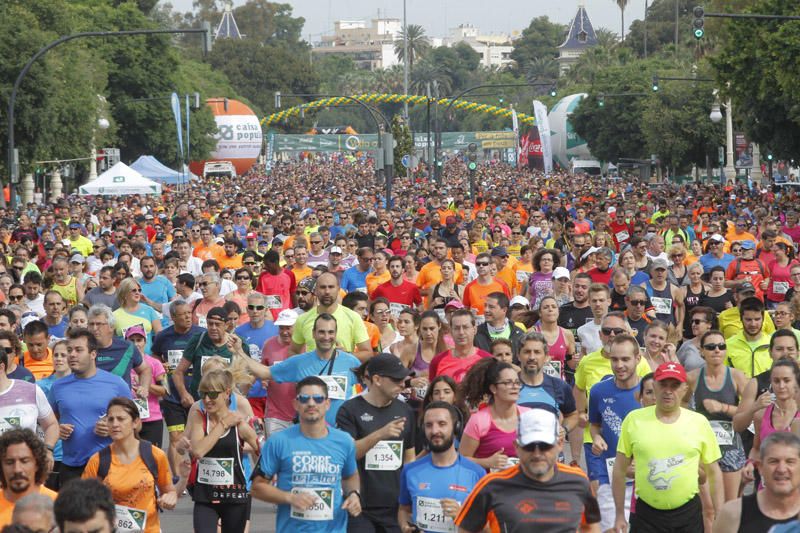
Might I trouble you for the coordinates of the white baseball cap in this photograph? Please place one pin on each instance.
(560, 272)
(537, 425)
(287, 317)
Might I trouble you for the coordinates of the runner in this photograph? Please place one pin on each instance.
(24, 464)
(318, 481)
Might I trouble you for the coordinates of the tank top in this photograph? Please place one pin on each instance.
(767, 428)
(557, 350)
(662, 301)
(69, 291)
(753, 520)
(690, 301)
(726, 394)
(225, 460)
(447, 299)
(419, 363)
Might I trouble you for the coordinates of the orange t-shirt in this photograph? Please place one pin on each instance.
(234, 262)
(39, 369)
(301, 273)
(212, 251)
(132, 485)
(431, 273)
(475, 294)
(7, 508)
(373, 280)
(289, 242)
(374, 334)
(509, 276)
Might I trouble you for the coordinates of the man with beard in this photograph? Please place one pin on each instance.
(306, 299)
(400, 292)
(539, 494)
(433, 488)
(779, 501)
(23, 470)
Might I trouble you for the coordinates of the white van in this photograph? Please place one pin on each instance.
(219, 168)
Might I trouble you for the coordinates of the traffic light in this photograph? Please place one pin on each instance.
(601, 101)
(208, 38)
(472, 155)
(553, 91)
(501, 100)
(655, 83)
(699, 22)
(769, 157)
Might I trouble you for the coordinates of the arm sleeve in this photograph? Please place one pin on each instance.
(350, 466)
(297, 334)
(623, 446)
(475, 510)
(404, 498)
(346, 423)
(567, 400)
(359, 331)
(594, 412)
(136, 358)
(42, 405)
(475, 427)
(286, 372)
(433, 368)
(158, 369)
(91, 467)
(270, 461)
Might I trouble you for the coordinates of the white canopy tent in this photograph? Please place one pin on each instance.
(118, 180)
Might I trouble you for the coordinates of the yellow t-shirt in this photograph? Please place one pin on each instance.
(350, 329)
(7, 508)
(132, 485)
(667, 456)
(593, 368)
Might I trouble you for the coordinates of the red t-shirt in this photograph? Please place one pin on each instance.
(278, 289)
(600, 277)
(455, 367)
(406, 293)
(279, 395)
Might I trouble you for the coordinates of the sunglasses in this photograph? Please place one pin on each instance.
(15, 298)
(712, 346)
(305, 398)
(203, 284)
(211, 394)
(615, 331)
(696, 321)
(638, 302)
(256, 307)
(482, 264)
(8, 349)
(541, 446)
(249, 263)
(242, 278)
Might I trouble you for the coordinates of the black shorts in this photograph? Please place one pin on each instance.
(174, 416)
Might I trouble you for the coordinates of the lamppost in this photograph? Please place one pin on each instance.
(716, 117)
(103, 124)
(405, 62)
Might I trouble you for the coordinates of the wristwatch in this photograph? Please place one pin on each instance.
(354, 491)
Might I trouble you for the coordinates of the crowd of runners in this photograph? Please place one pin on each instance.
(559, 353)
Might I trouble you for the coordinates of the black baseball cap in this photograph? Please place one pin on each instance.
(386, 364)
(217, 313)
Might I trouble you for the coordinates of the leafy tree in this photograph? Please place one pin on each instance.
(269, 22)
(539, 40)
(661, 27)
(405, 145)
(418, 44)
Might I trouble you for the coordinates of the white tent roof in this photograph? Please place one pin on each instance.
(117, 180)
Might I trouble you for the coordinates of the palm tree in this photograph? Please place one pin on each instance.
(418, 44)
(427, 72)
(622, 4)
(606, 38)
(541, 68)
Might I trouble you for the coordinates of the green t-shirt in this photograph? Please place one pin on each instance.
(667, 456)
(197, 351)
(350, 329)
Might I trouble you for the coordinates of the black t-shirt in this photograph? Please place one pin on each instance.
(359, 418)
(571, 317)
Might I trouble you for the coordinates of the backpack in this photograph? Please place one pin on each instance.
(145, 452)
(738, 261)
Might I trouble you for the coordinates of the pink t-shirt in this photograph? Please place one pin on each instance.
(152, 400)
(491, 438)
(279, 395)
(455, 367)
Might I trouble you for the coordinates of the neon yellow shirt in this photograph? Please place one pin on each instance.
(591, 370)
(667, 456)
(350, 329)
(730, 323)
(751, 357)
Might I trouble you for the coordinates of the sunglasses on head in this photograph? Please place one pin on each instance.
(211, 394)
(305, 398)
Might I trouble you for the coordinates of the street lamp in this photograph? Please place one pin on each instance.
(716, 117)
(103, 124)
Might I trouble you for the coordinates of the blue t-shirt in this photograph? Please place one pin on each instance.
(81, 402)
(119, 358)
(423, 479)
(303, 462)
(59, 330)
(160, 290)
(608, 406)
(553, 392)
(709, 261)
(307, 364)
(255, 339)
(353, 279)
(22, 374)
(166, 343)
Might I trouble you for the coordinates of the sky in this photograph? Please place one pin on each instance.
(437, 16)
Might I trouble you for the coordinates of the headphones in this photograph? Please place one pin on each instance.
(455, 414)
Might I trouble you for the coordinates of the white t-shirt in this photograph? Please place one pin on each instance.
(23, 405)
(589, 336)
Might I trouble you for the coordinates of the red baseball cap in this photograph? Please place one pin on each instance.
(670, 371)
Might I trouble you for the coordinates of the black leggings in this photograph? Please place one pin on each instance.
(234, 517)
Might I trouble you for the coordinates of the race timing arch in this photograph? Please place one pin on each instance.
(387, 98)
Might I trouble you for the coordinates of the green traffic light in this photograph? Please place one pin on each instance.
(472, 165)
(699, 33)
(769, 157)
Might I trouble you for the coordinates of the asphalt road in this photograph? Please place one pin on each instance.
(179, 520)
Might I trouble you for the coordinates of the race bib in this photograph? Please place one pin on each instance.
(553, 368)
(174, 358)
(144, 408)
(396, 309)
(320, 510)
(203, 361)
(421, 391)
(430, 516)
(129, 520)
(386, 455)
(255, 352)
(622, 236)
(215, 471)
(780, 287)
(663, 306)
(202, 322)
(337, 386)
(7, 423)
(273, 302)
(522, 277)
(723, 431)
(610, 467)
